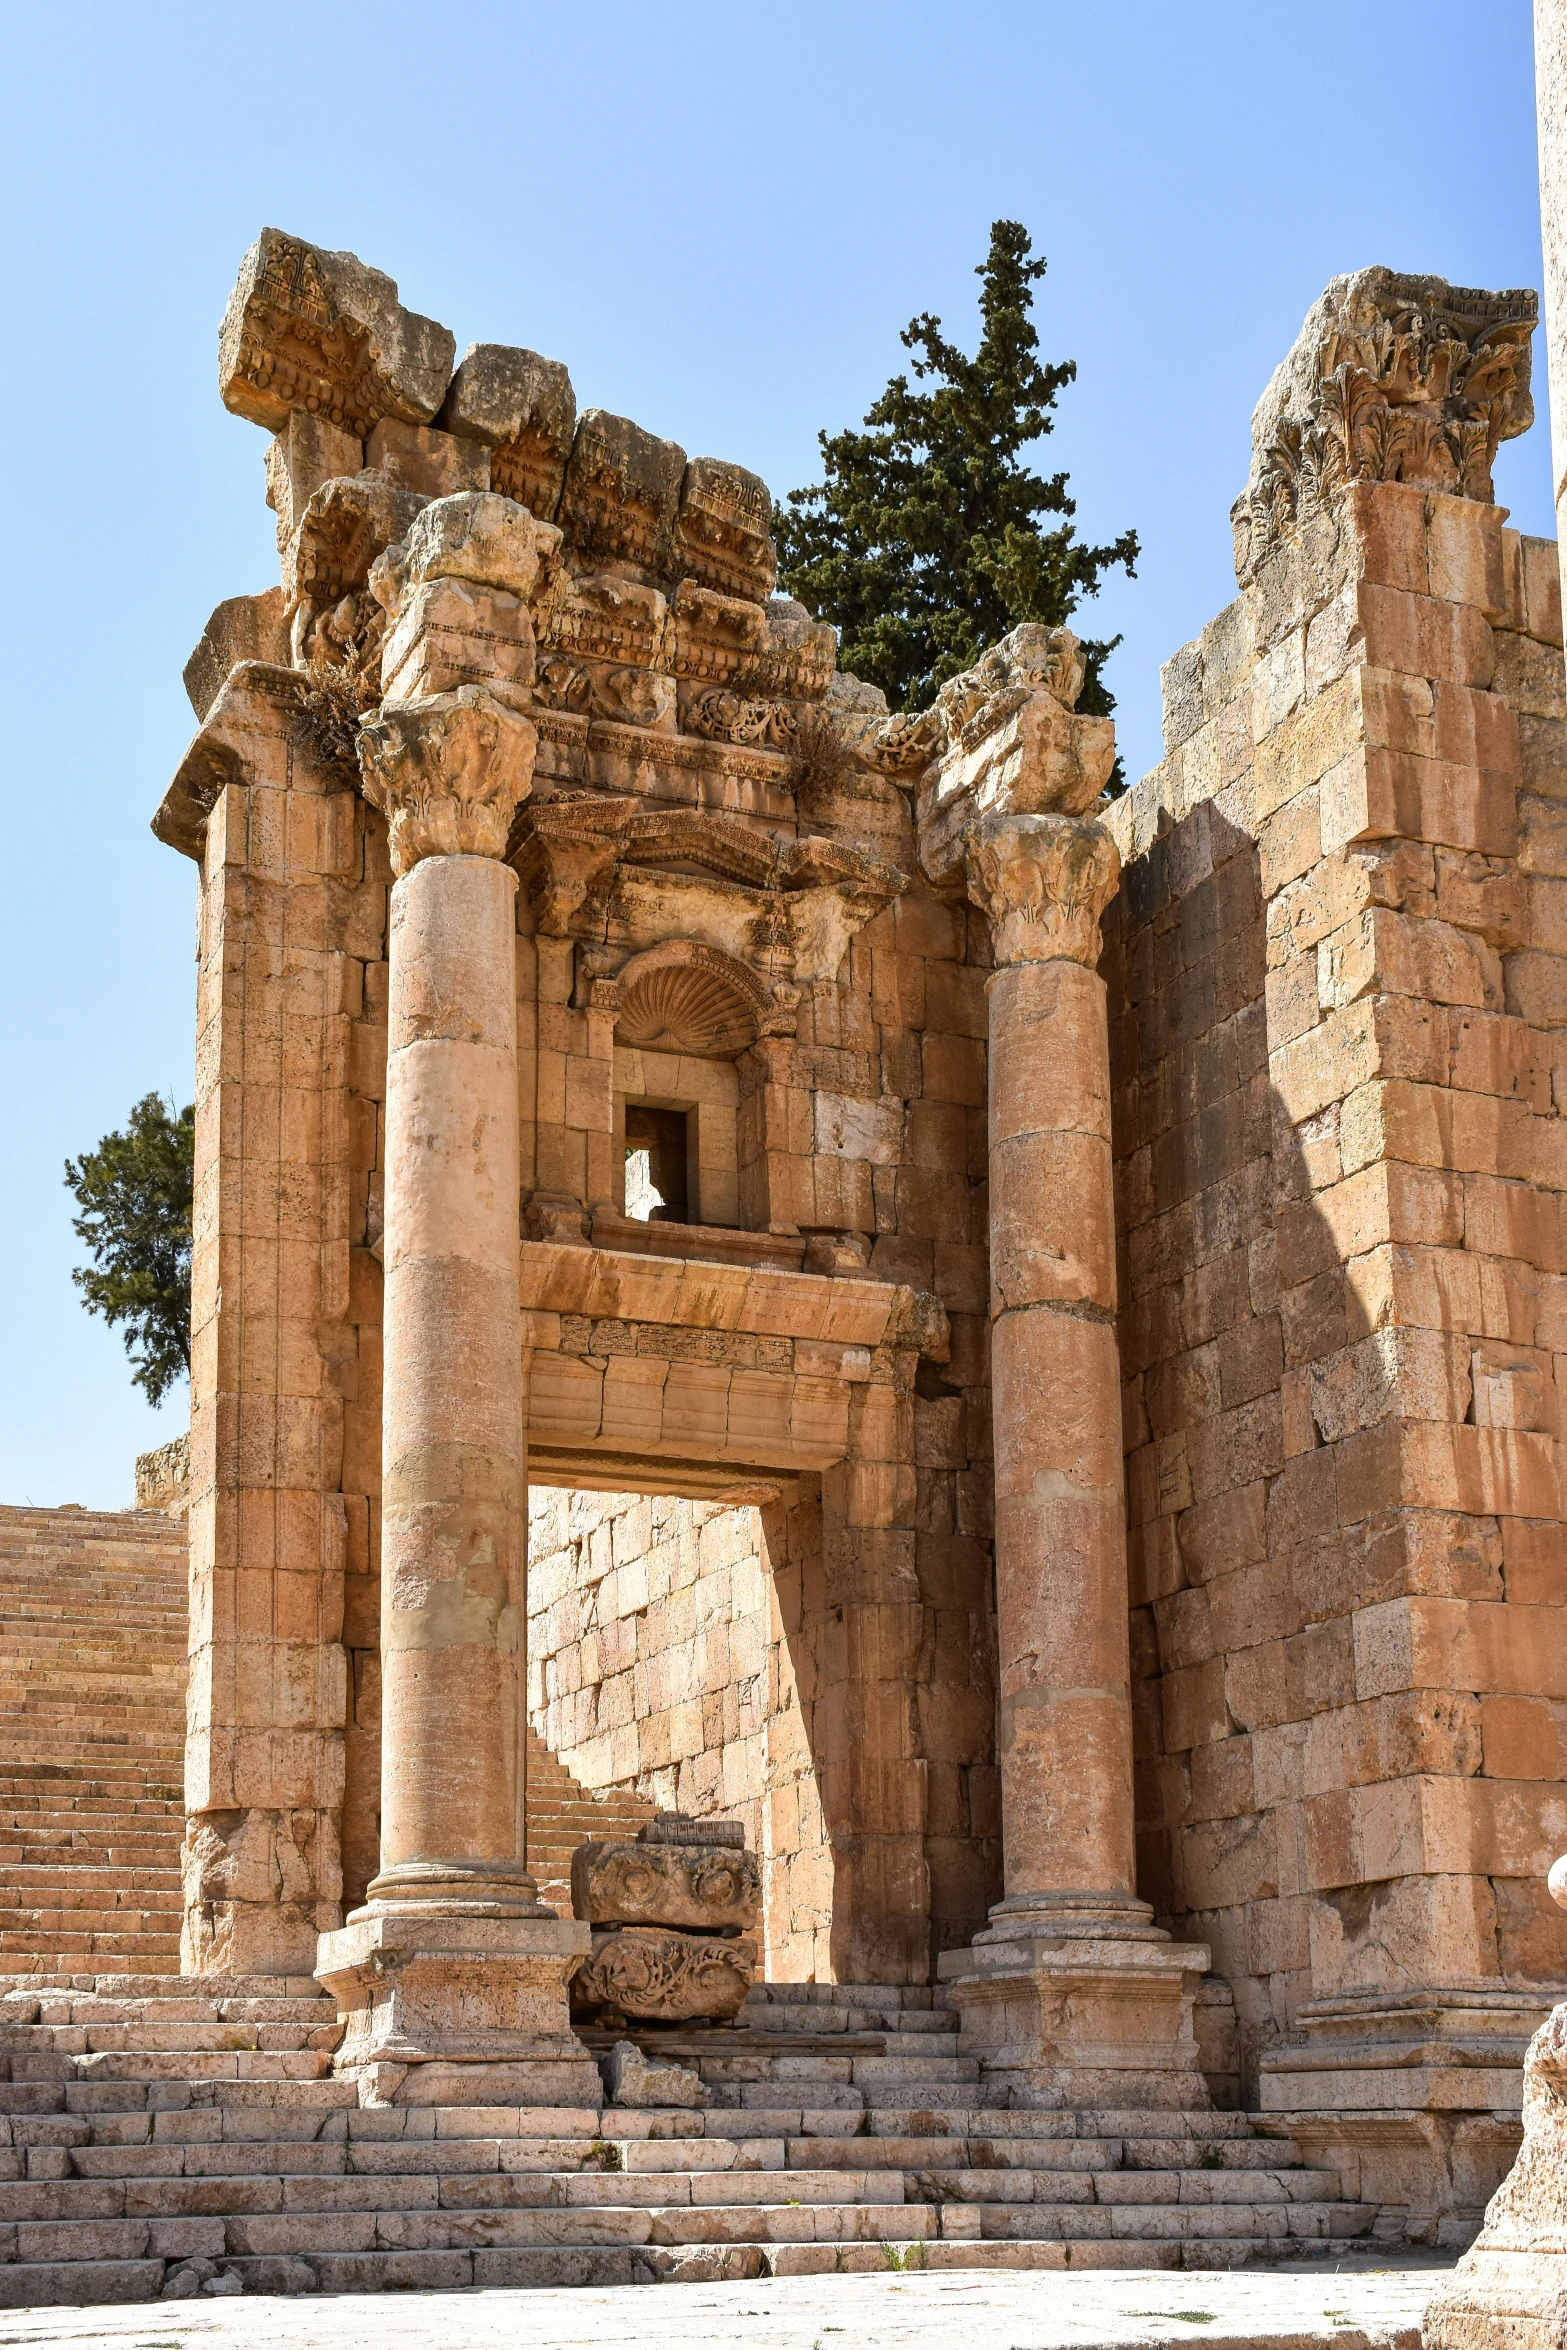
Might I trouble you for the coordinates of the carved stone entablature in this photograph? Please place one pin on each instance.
(662, 1884)
(524, 409)
(724, 529)
(447, 774)
(250, 735)
(1392, 378)
(613, 871)
(1011, 744)
(1043, 882)
(320, 331)
(718, 714)
(651, 1971)
(620, 494)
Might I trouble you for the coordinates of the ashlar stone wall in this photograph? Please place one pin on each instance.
(1339, 1034)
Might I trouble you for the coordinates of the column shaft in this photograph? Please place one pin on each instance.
(454, 1524)
(1065, 1742)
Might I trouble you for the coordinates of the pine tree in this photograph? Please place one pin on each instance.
(923, 544)
(135, 1192)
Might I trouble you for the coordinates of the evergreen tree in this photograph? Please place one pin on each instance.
(135, 1192)
(923, 544)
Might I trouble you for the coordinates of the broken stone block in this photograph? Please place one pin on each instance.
(346, 525)
(318, 331)
(475, 536)
(524, 409)
(649, 1971)
(636, 2080)
(709, 1886)
(243, 628)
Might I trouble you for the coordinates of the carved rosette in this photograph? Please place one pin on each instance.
(1043, 882)
(647, 1971)
(448, 774)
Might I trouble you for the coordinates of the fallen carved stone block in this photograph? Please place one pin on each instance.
(709, 1886)
(648, 1971)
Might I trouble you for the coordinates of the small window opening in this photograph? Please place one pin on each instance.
(656, 1182)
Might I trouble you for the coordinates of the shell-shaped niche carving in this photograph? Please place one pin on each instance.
(695, 1003)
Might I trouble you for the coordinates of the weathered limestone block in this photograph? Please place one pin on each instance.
(649, 1971)
(302, 457)
(243, 628)
(724, 529)
(524, 409)
(476, 535)
(451, 633)
(620, 495)
(649, 1883)
(635, 2080)
(321, 331)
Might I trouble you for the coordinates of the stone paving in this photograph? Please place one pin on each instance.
(1353, 2301)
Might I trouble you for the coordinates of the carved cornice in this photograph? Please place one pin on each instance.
(1043, 882)
(320, 331)
(1391, 378)
(447, 774)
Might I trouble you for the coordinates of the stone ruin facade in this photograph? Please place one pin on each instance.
(996, 1352)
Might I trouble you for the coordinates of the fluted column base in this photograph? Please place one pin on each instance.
(448, 2007)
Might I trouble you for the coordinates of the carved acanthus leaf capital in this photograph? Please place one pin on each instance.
(448, 774)
(1043, 882)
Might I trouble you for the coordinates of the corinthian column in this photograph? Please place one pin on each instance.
(1064, 1730)
(1071, 1991)
(454, 1968)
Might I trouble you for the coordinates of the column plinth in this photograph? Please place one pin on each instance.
(1071, 1992)
(452, 1976)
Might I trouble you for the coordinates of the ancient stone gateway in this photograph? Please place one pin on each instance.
(1006, 1342)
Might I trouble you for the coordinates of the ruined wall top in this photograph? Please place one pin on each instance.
(1391, 378)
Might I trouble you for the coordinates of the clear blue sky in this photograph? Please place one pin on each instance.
(719, 217)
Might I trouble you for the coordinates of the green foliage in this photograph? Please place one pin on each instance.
(135, 1192)
(923, 543)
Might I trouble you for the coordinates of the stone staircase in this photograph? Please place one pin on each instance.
(93, 1613)
(562, 1813)
(161, 2135)
(92, 1737)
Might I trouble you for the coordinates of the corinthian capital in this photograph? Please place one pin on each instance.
(448, 774)
(1043, 881)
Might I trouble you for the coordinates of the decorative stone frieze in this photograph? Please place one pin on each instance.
(665, 1977)
(706, 1886)
(524, 409)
